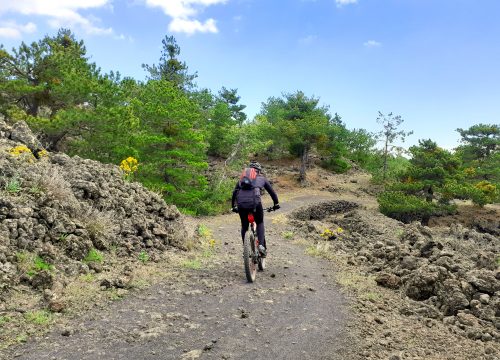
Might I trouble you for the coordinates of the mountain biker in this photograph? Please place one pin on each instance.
(247, 201)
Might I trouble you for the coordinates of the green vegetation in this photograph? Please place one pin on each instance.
(12, 186)
(288, 235)
(93, 256)
(390, 123)
(40, 317)
(194, 264)
(4, 320)
(143, 257)
(434, 177)
(172, 130)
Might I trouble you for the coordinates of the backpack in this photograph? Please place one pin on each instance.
(249, 194)
(247, 179)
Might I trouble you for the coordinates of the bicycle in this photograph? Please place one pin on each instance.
(252, 257)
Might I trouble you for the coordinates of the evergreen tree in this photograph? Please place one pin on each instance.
(300, 123)
(431, 168)
(389, 135)
(170, 68)
(52, 72)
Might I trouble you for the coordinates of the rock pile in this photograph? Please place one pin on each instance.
(56, 211)
(451, 274)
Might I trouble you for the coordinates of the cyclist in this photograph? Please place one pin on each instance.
(247, 199)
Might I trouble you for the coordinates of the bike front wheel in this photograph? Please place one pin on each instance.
(248, 256)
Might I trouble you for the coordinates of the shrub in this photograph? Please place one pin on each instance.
(93, 256)
(99, 224)
(143, 257)
(12, 186)
(405, 208)
(337, 165)
(53, 184)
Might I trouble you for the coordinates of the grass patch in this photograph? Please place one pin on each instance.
(192, 264)
(115, 294)
(87, 277)
(371, 296)
(287, 235)
(12, 186)
(21, 338)
(143, 257)
(204, 231)
(63, 237)
(4, 320)
(321, 249)
(41, 264)
(93, 256)
(40, 317)
(364, 284)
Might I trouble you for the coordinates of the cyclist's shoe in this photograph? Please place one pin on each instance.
(262, 250)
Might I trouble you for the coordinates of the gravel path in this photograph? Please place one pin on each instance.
(293, 311)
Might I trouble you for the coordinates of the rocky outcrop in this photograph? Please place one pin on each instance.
(452, 272)
(55, 209)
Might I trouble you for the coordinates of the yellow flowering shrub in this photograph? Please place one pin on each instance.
(43, 154)
(329, 234)
(22, 152)
(129, 165)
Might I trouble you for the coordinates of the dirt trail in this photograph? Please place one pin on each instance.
(293, 311)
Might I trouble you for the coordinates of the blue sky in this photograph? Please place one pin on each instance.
(434, 62)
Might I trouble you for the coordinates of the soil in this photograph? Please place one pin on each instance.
(294, 310)
(315, 300)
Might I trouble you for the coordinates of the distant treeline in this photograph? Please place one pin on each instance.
(174, 129)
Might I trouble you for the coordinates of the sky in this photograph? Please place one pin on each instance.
(434, 62)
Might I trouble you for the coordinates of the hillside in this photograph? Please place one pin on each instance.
(343, 281)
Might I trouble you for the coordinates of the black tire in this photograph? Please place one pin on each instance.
(248, 254)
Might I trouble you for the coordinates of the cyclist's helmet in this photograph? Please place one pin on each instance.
(255, 165)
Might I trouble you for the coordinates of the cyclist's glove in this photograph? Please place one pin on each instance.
(234, 209)
(276, 206)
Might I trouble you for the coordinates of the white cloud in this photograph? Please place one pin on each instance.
(191, 26)
(372, 44)
(13, 30)
(60, 12)
(183, 12)
(341, 3)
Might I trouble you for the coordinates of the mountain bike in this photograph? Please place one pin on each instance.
(252, 257)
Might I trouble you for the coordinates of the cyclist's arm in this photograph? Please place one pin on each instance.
(271, 192)
(235, 192)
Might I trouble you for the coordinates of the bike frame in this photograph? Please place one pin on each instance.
(253, 228)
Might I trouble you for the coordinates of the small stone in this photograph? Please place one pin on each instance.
(484, 299)
(486, 337)
(67, 332)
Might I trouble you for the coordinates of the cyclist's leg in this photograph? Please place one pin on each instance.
(259, 219)
(244, 222)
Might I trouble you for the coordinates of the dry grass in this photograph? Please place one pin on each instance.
(53, 184)
(99, 224)
(321, 249)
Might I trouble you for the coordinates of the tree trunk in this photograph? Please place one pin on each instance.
(429, 195)
(385, 159)
(303, 166)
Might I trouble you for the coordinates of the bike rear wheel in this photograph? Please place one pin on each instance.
(248, 256)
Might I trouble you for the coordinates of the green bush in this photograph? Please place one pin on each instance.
(337, 165)
(408, 208)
